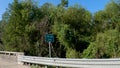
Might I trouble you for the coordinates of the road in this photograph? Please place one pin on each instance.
(8, 63)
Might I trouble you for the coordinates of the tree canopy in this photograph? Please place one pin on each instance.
(78, 33)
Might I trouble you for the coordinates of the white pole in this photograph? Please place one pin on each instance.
(49, 49)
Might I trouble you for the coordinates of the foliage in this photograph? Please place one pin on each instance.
(108, 18)
(19, 31)
(69, 26)
(105, 46)
(71, 53)
(77, 32)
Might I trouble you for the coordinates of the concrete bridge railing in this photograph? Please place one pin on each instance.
(13, 56)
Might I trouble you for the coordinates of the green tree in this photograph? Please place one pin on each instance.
(105, 46)
(64, 3)
(107, 18)
(106, 25)
(70, 27)
(20, 30)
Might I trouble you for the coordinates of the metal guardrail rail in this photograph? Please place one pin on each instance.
(74, 63)
(65, 62)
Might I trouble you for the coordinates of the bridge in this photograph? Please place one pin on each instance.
(6, 63)
(17, 60)
(9, 60)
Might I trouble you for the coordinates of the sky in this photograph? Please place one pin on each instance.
(91, 5)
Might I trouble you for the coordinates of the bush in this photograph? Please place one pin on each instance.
(72, 53)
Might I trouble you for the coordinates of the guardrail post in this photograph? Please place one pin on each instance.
(20, 57)
(57, 67)
(46, 66)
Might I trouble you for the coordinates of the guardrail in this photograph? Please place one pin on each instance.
(74, 63)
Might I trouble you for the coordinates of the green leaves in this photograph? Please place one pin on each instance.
(105, 46)
(19, 31)
(77, 33)
(71, 28)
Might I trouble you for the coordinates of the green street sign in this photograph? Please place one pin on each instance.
(49, 38)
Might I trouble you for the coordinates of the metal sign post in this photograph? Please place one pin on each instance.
(49, 49)
(49, 38)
